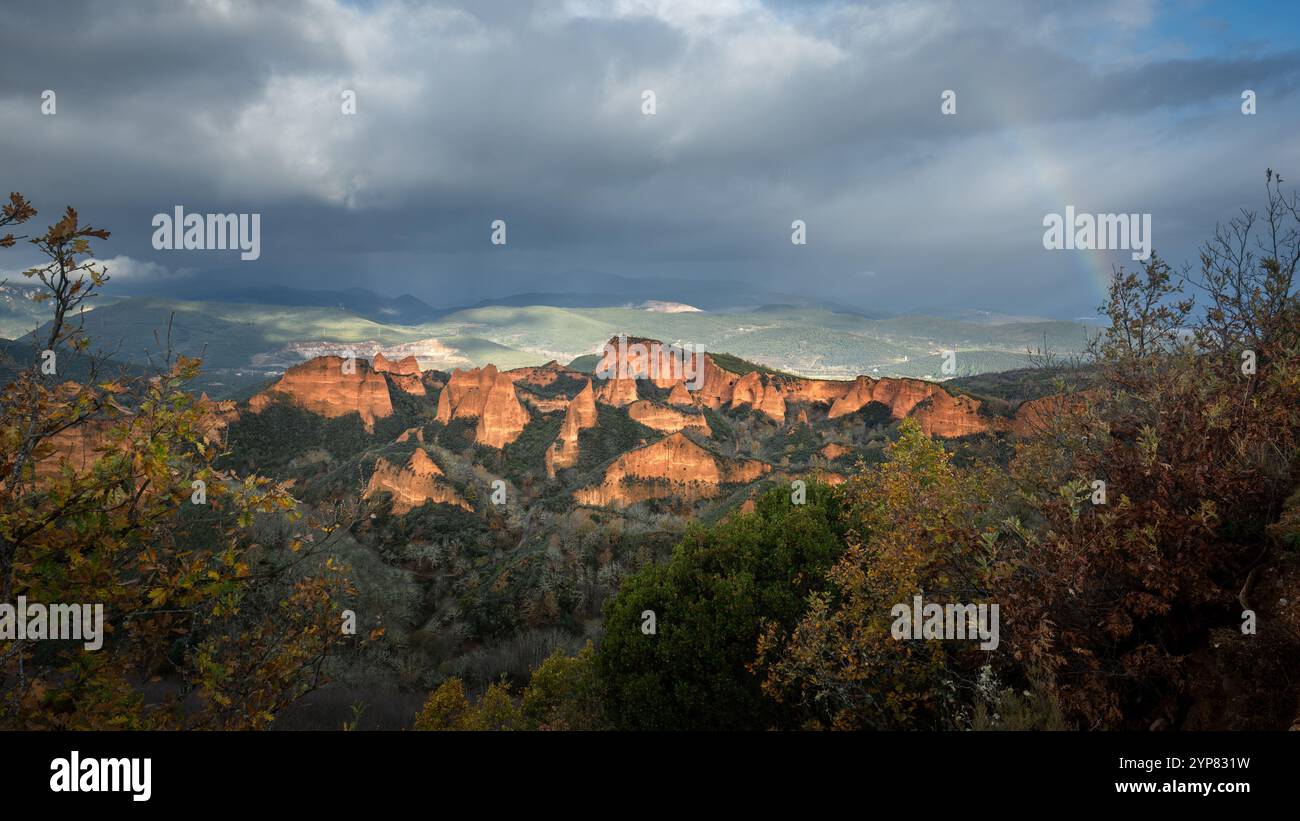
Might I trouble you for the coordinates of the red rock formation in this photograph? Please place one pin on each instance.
(679, 395)
(408, 365)
(761, 394)
(405, 373)
(901, 395)
(77, 448)
(715, 389)
(417, 433)
(943, 414)
(674, 467)
(770, 393)
(854, 399)
(835, 450)
(665, 366)
(580, 414)
(321, 386)
(544, 404)
(813, 391)
(489, 396)
(639, 358)
(617, 392)
(666, 419)
(418, 482)
(539, 376)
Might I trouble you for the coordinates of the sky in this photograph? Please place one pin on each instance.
(765, 113)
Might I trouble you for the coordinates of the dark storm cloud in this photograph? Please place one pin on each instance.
(825, 112)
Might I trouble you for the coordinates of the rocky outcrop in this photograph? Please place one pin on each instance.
(716, 386)
(430, 353)
(617, 392)
(539, 376)
(76, 448)
(331, 386)
(679, 395)
(411, 433)
(672, 468)
(814, 391)
(854, 399)
(942, 414)
(544, 404)
(581, 413)
(665, 419)
(899, 395)
(640, 358)
(405, 372)
(486, 395)
(419, 481)
(835, 450)
(770, 393)
(760, 393)
(407, 365)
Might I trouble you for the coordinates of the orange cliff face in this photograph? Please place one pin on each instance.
(539, 376)
(665, 419)
(617, 392)
(674, 467)
(945, 415)
(322, 386)
(489, 396)
(626, 357)
(716, 386)
(544, 404)
(581, 413)
(763, 395)
(899, 395)
(405, 373)
(419, 481)
(939, 412)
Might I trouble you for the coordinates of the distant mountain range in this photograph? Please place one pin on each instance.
(250, 336)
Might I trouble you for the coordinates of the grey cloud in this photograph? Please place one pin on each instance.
(531, 113)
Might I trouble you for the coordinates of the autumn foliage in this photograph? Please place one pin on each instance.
(205, 626)
(1141, 544)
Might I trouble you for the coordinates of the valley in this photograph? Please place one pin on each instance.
(601, 477)
(244, 344)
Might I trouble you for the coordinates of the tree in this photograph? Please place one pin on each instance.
(448, 709)
(98, 490)
(710, 602)
(914, 525)
(1197, 437)
(563, 693)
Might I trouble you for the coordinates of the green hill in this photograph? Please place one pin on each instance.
(244, 343)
